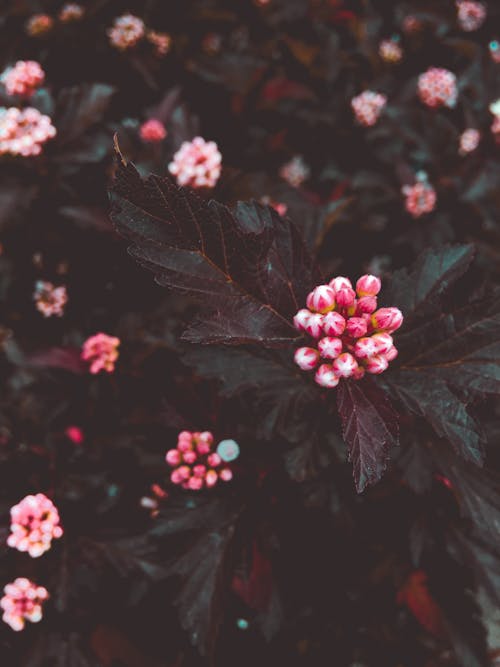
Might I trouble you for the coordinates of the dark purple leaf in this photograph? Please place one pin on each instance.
(79, 108)
(370, 428)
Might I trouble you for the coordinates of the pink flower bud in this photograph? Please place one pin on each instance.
(306, 358)
(173, 457)
(345, 297)
(340, 282)
(358, 373)
(202, 447)
(206, 436)
(383, 342)
(368, 285)
(314, 326)
(211, 478)
(195, 483)
(199, 471)
(301, 318)
(387, 319)
(190, 457)
(330, 348)
(365, 348)
(366, 304)
(356, 327)
(176, 477)
(185, 435)
(184, 472)
(184, 446)
(376, 364)
(391, 354)
(345, 365)
(333, 324)
(214, 460)
(226, 475)
(321, 299)
(326, 377)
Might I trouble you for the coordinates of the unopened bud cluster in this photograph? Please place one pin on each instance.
(101, 351)
(420, 198)
(196, 465)
(22, 602)
(351, 335)
(469, 141)
(23, 78)
(390, 50)
(34, 524)
(437, 87)
(197, 164)
(368, 106)
(152, 131)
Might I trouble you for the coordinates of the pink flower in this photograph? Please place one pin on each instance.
(469, 141)
(197, 164)
(295, 171)
(390, 50)
(39, 24)
(368, 106)
(195, 464)
(23, 78)
(161, 41)
(34, 524)
(353, 338)
(321, 299)
(126, 32)
(153, 131)
(23, 132)
(101, 351)
(437, 87)
(50, 300)
(420, 198)
(23, 601)
(470, 15)
(71, 12)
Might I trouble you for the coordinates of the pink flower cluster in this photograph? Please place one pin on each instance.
(161, 41)
(22, 602)
(470, 14)
(390, 50)
(23, 78)
(197, 164)
(23, 132)
(421, 197)
(437, 87)
(39, 24)
(295, 171)
(50, 300)
(368, 106)
(71, 12)
(101, 351)
(126, 32)
(352, 336)
(469, 141)
(152, 131)
(195, 463)
(34, 524)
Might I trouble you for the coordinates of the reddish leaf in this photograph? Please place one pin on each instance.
(415, 595)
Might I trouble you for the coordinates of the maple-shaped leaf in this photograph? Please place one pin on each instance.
(370, 428)
(248, 266)
(447, 359)
(203, 566)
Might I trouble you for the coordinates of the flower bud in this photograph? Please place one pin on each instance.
(173, 457)
(391, 354)
(176, 477)
(189, 457)
(326, 377)
(340, 282)
(356, 327)
(206, 436)
(321, 299)
(199, 471)
(366, 304)
(306, 358)
(383, 342)
(368, 285)
(314, 326)
(376, 364)
(226, 474)
(334, 324)
(301, 318)
(195, 483)
(387, 319)
(345, 365)
(330, 348)
(184, 472)
(214, 460)
(365, 348)
(358, 373)
(211, 478)
(184, 446)
(345, 297)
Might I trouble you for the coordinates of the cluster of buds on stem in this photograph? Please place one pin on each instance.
(22, 602)
(197, 164)
(352, 337)
(368, 106)
(437, 87)
(152, 131)
(390, 50)
(126, 32)
(101, 351)
(50, 300)
(420, 198)
(34, 524)
(469, 141)
(23, 78)
(195, 463)
(23, 132)
(470, 14)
